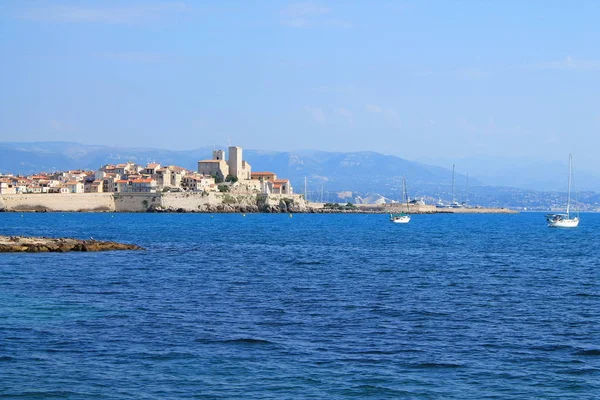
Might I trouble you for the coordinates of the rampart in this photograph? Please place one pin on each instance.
(142, 202)
(58, 202)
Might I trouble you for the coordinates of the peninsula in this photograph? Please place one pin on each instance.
(225, 183)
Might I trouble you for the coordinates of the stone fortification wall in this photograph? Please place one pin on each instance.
(58, 202)
(142, 202)
(136, 202)
(202, 202)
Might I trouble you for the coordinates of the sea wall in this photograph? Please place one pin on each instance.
(136, 202)
(58, 202)
(202, 202)
(142, 202)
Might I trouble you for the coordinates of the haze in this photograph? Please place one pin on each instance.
(416, 79)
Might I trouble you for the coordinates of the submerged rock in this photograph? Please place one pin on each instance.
(22, 244)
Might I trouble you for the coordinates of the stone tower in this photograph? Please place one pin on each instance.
(235, 161)
(218, 155)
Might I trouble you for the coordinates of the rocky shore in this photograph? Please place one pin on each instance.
(22, 244)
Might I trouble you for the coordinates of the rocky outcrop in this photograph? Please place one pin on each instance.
(22, 244)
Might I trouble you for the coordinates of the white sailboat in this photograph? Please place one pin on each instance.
(564, 220)
(402, 218)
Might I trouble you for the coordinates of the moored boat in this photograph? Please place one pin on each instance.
(564, 220)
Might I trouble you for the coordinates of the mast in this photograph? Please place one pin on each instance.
(569, 190)
(405, 192)
(305, 192)
(453, 198)
(467, 196)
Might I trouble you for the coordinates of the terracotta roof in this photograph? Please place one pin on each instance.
(281, 181)
(262, 173)
(142, 180)
(153, 165)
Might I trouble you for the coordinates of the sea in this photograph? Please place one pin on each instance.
(302, 306)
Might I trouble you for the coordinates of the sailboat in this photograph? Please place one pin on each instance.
(565, 220)
(402, 218)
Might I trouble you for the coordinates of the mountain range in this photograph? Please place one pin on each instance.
(329, 176)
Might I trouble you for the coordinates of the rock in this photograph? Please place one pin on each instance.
(42, 245)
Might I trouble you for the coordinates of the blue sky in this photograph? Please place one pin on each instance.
(416, 79)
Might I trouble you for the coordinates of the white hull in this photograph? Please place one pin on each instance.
(564, 223)
(404, 219)
(564, 220)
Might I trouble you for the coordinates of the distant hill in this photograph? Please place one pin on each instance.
(362, 172)
(327, 173)
(524, 173)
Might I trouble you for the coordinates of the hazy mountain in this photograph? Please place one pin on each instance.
(524, 173)
(492, 182)
(324, 171)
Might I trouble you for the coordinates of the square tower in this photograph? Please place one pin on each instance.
(218, 155)
(235, 161)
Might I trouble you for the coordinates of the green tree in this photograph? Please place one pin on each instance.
(217, 178)
(231, 178)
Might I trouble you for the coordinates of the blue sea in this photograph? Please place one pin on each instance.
(263, 306)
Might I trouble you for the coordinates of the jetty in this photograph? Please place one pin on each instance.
(23, 244)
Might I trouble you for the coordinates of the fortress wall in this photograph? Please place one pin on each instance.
(58, 202)
(135, 202)
(200, 201)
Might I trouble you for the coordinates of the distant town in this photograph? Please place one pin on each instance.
(227, 172)
(214, 175)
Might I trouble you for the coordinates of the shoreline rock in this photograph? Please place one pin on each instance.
(23, 244)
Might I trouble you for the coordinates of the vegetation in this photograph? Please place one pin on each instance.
(228, 199)
(337, 206)
(223, 188)
(231, 178)
(217, 178)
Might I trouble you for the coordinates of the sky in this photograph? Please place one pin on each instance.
(416, 79)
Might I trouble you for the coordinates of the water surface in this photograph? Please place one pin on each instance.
(314, 306)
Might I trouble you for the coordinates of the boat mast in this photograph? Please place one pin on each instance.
(467, 196)
(405, 192)
(569, 186)
(453, 198)
(305, 192)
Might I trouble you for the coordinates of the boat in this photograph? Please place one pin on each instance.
(565, 220)
(402, 218)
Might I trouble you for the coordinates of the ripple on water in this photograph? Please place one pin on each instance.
(315, 306)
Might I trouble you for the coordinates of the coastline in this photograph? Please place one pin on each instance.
(208, 203)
